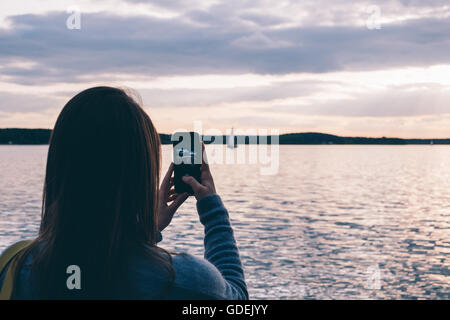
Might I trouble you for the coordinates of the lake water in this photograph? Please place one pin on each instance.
(335, 222)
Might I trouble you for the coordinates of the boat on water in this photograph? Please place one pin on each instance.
(231, 141)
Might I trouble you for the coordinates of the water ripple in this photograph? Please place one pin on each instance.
(336, 222)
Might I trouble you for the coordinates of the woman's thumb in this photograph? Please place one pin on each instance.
(195, 185)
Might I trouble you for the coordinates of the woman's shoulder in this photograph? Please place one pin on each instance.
(196, 274)
(195, 278)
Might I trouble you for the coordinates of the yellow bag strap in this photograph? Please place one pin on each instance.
(5, 258)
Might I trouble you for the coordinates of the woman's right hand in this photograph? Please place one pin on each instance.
(207, 186)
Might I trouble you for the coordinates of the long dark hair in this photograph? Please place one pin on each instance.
(100, 195)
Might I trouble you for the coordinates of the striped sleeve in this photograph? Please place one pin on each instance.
(220, 246)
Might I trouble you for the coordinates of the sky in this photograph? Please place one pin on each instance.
(345, 67)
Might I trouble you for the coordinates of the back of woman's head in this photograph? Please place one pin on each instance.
(100, 193)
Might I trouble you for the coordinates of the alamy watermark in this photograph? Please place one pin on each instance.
(74, 280)
(373, 21)
(373, 277)
(73, 22)
(261, 147)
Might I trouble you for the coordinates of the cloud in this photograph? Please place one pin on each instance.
(160, 98)
(174, 4)
(236, 38)
(148, 45)
(396, 101)
(23, 102)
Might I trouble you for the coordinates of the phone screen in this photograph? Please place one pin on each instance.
(187, 159)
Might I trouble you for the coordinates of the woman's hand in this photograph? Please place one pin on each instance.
(207, 186)
(167, 194)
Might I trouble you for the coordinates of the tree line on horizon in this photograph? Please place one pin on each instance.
(42, 136)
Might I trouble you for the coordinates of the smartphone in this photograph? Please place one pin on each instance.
(187, 159)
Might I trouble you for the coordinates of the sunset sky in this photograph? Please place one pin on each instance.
(296, 66)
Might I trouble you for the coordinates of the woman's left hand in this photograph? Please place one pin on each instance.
(167, 194)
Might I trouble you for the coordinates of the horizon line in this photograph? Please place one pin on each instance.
(281, 134)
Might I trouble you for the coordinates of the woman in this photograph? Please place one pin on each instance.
(102, 212)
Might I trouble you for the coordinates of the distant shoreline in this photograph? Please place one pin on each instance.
(17, 136)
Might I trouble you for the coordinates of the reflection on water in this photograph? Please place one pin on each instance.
(340, 222)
